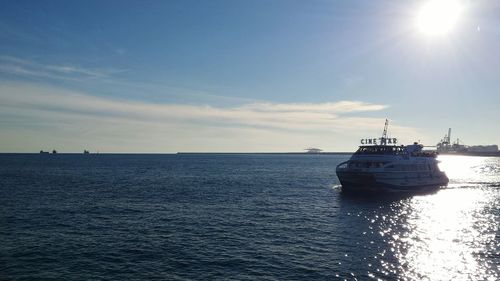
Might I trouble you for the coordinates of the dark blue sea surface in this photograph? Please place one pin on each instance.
(238, 217)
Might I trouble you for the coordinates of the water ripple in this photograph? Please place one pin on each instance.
(242, 217)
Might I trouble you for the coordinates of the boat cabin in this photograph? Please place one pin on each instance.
(381, 150)
(414, 150)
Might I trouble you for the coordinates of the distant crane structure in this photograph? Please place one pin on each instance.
(447, 138)
(446, 145)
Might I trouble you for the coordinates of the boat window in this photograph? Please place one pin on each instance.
(381, 150)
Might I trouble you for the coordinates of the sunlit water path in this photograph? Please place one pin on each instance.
(266, 217)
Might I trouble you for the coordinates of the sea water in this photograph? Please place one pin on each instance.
(238, 217)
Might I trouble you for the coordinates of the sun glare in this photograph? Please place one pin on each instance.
(438, 17)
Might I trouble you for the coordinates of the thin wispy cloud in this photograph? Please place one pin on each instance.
(328, 107)
(55, 115)
(293, 116)
(106, 79)
(30, 68)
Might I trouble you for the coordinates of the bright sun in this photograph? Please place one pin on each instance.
(438, 17)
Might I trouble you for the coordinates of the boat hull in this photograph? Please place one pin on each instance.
(362, 182)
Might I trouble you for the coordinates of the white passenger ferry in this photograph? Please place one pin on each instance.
(385, 166)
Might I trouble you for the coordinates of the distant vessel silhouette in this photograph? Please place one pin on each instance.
(445, 146)
(313, 150)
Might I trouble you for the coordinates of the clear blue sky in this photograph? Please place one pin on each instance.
(167, 76)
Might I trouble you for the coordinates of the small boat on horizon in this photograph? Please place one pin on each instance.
(386, 167)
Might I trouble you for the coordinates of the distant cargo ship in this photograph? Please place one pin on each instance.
(445, 146)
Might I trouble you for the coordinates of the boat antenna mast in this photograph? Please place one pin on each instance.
(383, 139)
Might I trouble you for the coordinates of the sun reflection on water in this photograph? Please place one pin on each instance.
(445, 238)
(468, 169)
(450, 235)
